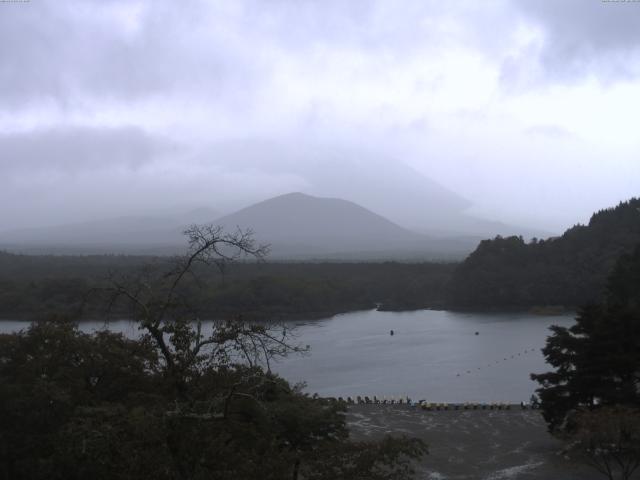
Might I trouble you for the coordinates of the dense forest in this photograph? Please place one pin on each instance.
(33, 285)
(569, 270)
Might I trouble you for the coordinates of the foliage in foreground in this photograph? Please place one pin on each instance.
(608, 439)
(176, 403)
(74, 405)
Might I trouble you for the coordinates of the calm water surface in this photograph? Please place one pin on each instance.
(433, 354)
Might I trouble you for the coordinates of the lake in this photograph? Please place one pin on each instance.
(433, 355)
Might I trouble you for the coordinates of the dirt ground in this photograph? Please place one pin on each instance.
(473, 444)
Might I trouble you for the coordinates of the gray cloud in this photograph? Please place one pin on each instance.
(584, 37)
(76, 149)
(108, 106)
(66, 51)
(71, 52)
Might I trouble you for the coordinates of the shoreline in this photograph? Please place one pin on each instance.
(542, 311)
(470, 444)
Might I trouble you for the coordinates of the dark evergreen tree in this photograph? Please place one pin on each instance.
(597, 360)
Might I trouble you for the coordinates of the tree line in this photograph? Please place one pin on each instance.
(570, 270)
(36, 285)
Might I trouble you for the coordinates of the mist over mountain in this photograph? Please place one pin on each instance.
(228, 175)
(296, 225)
(127, 234)
(332, 216)
(300, 225)
(372, 179)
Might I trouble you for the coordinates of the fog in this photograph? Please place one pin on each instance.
(520, 112)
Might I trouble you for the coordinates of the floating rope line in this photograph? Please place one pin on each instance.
(423, 404)
(511, 357)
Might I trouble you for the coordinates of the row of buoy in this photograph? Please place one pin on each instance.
(512, 357)
(429, 406)
(405, 400)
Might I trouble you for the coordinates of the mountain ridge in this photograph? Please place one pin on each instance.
(298, 224)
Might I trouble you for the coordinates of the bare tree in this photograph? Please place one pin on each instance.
(157, 300)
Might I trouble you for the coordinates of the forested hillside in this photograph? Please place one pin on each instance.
(35, 285)
(569, 270)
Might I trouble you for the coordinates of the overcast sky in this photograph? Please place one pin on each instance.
(528, 109)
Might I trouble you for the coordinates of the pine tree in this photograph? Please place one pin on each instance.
(597, 360)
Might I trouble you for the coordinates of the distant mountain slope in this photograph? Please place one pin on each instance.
(383, 184)
(127, 234)
(297, 226)
(302, 225)
(569, 270)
